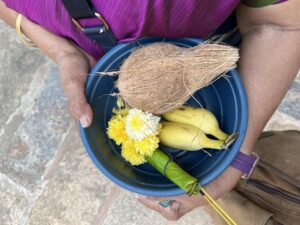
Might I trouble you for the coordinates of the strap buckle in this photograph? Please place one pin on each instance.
(97, 15)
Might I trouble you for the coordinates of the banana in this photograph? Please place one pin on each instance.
(186, 137)
(198, 117)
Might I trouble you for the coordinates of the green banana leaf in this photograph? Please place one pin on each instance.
(162, 162)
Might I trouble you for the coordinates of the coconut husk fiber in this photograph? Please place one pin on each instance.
(160, 77)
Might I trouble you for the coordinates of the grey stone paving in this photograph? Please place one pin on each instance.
(75, 191)
(46, 177)
(292, 104)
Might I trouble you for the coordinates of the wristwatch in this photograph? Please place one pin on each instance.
(245, 163)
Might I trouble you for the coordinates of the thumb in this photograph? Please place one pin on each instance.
(74, 88)
(81, 110)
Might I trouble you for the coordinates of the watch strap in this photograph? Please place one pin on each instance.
(245, 163)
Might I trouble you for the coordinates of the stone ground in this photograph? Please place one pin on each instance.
(46, 177)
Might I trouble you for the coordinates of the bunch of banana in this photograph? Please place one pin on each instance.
(187, 129)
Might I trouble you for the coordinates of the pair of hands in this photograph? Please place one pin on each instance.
(74, 69)
(261, 30)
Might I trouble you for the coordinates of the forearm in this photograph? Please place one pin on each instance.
(270, 58)
(7, 15)
(53, 46)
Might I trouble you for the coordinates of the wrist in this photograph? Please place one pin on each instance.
(246, 151)
(23, 37)
(246, 147)
(245, 163)
(224, 183)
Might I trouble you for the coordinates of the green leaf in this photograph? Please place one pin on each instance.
(162, 162)
(120, 103)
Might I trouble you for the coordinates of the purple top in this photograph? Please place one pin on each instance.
(132, 19)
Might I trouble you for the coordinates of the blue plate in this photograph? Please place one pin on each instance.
(226, 98)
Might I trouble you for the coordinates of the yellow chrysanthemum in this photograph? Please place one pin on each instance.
(121, 113)
(116, 129)
(137, 131)
(130, 154)
(147, 145)
(140, 125)
(159, 127)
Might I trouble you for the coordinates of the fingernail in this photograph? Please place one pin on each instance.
(84, 121)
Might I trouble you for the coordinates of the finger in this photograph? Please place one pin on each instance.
(81, 111)
(171, 213)
(162, 199)
(78, 106)
(77, 126)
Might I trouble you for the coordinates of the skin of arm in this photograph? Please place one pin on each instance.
(74, 64)
(270, 60)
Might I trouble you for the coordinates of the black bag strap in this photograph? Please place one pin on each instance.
(259, 3)
(99, 34)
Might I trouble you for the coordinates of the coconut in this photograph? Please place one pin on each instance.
(160, 77)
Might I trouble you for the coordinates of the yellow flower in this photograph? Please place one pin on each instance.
(137, 131)
(116, 129)
(147, 145)
(141, 124)
(130, 154)
(158, 129)
(121, 113)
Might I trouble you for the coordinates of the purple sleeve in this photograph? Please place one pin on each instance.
(133, 19)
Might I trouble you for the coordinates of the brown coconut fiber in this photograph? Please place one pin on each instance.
(160, 77)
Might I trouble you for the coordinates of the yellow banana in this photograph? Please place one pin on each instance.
(198, 117)
(186, 137)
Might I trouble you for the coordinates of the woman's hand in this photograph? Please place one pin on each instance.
(184, 204)
(74, 64)
(74, 68)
